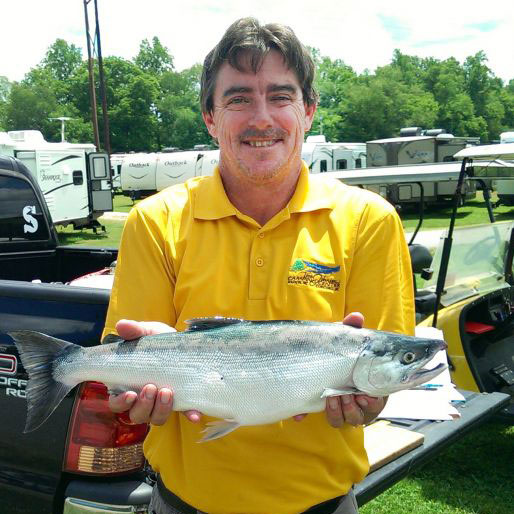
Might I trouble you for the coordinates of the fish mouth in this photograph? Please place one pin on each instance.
(423, 375)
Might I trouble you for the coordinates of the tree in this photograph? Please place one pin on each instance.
(62, 59)
(154, 58)
(30, 107)
(5, 87)
(178, 109)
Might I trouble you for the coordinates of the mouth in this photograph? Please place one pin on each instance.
(423, 375)
(262, 143)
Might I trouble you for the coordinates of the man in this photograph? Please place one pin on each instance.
(246, 243)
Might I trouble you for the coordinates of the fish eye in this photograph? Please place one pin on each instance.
(408, 357)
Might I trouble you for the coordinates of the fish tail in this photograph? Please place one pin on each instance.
(38, 353)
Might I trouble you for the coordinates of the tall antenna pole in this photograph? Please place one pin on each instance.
(107, 142)
(92, 94)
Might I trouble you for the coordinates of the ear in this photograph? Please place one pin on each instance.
(208, 119)
(310, 110)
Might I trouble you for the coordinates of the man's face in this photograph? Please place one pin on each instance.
(259, 121)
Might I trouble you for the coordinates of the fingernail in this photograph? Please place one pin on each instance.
(333, 403)
(129, 398)
(347, 400)
(165, 397)
(149, 393)
(362, 402)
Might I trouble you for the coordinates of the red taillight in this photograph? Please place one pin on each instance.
(99, 442)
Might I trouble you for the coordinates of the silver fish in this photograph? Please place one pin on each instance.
(243, 372)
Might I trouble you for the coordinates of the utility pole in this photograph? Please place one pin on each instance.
(92, 92)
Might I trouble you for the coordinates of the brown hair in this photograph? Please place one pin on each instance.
(247, 36)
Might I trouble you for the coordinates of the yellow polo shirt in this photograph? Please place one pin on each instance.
(188, 252)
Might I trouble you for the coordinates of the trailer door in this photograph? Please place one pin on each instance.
(100, 182)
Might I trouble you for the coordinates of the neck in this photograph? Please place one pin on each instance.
(259, 201)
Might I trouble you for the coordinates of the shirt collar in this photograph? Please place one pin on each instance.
(211, 203)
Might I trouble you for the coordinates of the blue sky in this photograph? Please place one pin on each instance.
(362, 33)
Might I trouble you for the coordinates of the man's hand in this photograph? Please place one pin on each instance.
(152, 405)
(349, 408)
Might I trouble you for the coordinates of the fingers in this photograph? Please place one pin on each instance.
(370, 406)
(334, 411)
(193, 415)
(355, 319)
(122, 402)
(353, 409)
(343, 409)
(129, 329)
(150, 406)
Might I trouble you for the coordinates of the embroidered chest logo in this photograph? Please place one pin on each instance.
(313, 274)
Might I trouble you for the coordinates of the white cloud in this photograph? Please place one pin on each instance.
(351, 30)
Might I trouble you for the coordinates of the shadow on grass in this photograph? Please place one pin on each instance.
(475, 473)
(473, 476)
(66, 238)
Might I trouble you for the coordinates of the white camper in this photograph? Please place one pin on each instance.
(74, 178)
(143, 174)
(497, 157)
(322, 156)
(417, 147)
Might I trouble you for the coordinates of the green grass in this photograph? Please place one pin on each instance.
(110, 238)
(473, 476)
(474, 212)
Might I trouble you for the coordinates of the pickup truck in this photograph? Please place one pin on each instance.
(84, 458)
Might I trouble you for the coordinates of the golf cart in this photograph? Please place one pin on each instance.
(468, 288)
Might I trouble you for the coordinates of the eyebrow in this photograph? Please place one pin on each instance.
(273, 88)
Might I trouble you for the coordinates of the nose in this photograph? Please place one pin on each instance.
(261, 115)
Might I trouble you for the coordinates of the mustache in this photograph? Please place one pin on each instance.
(271, 133)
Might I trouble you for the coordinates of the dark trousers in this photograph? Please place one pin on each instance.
(165, 502)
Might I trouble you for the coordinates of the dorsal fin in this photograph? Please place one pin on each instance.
(210, 323)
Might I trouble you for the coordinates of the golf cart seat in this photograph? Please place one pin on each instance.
(421, 260)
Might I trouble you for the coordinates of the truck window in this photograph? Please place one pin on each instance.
(358, 163)
(341, 164)
(322, 165)
(21, 217)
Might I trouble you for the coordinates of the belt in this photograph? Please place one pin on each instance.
(174, 501)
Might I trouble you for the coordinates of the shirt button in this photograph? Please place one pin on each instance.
(261, 235)
(259, 262)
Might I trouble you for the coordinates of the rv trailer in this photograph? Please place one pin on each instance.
(143, 174)
(417, 147)
(322, 156)
(74, 177)
(505, 188)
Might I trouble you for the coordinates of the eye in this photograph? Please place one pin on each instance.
(408, 357)
(238, 100)
(281, 99)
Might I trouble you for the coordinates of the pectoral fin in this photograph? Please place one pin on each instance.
(217, 429)
(337, 392)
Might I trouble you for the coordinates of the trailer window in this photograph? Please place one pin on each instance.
(322, 165)
(341, 164)
(99, 167)
(358, 163)
(21, 217)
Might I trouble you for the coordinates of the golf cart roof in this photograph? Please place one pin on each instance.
(501, 151)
